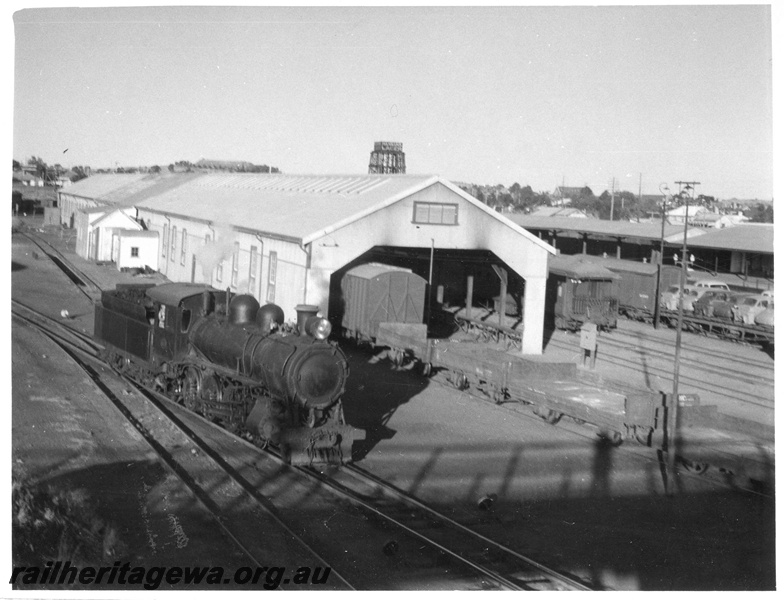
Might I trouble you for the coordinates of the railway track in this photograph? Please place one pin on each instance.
(494, 564)
(487, 331)
(499, 563)
(720, 472)
(695, 382)
(82, 281)
(697, 356)
(217, 488)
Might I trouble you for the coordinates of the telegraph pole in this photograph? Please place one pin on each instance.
(672, 410)
(657, 304)
(612, 199)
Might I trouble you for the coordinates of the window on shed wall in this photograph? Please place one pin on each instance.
(435, 213)
(271, 276)
(165, 244)
(134, 251)
(173, 249)
(254, 267)
(235, 264)
(184, 249)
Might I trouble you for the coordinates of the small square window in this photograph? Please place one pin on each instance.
(135, 251)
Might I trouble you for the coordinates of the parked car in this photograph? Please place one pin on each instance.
(765, 318)
(671, 297)
(767, 294)
(730, 309)
(752, 306)
(710, 283)
(704, 307)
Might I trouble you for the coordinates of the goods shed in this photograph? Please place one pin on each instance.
(284, 238)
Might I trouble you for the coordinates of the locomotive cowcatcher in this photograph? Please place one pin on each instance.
(234, 362)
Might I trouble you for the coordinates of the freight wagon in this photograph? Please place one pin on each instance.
(580, 291)
(636, 284)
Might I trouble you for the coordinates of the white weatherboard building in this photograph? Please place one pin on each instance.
(97, 228)
(282, 237)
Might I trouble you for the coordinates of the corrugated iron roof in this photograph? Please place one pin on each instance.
(578, 266)
(747, 237)
(105, 186)
(735, 237)
(624, 229)
(620, 264)
(293, 206)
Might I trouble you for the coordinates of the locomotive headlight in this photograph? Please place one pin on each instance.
(319, 328)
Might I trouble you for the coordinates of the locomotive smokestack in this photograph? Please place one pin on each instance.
(304, 312)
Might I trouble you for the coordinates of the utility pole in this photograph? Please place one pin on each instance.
(672, 410)
(563, 185)
(612, 199)
(639, 198)
(657, 304)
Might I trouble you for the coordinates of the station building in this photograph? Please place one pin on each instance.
(741, 254)
(288, 239)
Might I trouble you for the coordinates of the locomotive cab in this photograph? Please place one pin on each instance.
(176, 307)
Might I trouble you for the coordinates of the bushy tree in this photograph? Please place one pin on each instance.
(79, 173)
(760, 213)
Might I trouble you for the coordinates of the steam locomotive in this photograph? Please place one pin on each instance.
(235, 362)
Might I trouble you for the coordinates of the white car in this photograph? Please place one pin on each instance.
(752, 306)
(711, 284)
(671, 297)
(765, 318)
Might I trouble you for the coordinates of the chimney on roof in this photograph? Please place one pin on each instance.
(387, 157)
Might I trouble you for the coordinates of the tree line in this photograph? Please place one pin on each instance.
(621, 205)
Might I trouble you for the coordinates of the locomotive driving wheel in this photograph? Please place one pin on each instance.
(191, 388)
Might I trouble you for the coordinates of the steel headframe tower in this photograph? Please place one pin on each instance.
(387, 157)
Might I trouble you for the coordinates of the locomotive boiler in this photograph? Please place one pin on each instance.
(235, 362)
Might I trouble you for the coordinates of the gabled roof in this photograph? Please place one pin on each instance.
(569, 191)
(104, 187)
(296, 207)
(708, 216)
(115, 212)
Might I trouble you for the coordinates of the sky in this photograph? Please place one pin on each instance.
(542, 96)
